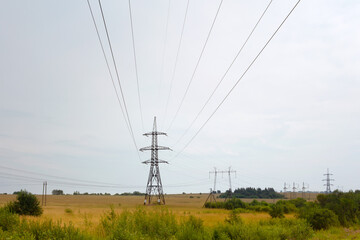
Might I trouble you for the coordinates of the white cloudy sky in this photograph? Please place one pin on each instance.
(293, 115)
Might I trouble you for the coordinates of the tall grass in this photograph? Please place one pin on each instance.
(159, 223)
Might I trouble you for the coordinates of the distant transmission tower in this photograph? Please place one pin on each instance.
(304, 187)
(328, 181)
(286, 187)
(229, 172)
(154, 185)
(211, 197)
(294, 195)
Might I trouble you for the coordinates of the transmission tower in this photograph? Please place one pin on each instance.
(211, 197)
(154, 185)
(304, 187)
(286, 187)
(293, 191)
(229, 172)
(328, 181)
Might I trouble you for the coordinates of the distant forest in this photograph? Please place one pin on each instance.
(253, 193)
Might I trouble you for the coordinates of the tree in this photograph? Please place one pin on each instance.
(25, 204)
(57, 192)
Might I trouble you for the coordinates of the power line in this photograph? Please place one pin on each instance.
(117, 75)
(176, 60)
(53, 176)
(136, 68)
(107, 64)
(10, 176)
(225, 74)
(197, 64)
(164, 49)
(237, 82)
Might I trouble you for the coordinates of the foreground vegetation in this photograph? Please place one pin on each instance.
(156, 224)
(335, 209)
(89, 217)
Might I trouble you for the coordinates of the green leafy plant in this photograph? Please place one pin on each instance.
(25, 204)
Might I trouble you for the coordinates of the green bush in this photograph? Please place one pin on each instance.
(25, 204)
(139, 224)
(50, 230)
(319, 218)
(287, 205)
(276, 211)
(345, 205)
(8, 221)
(296, 229)
(234, 218)
(193, 229)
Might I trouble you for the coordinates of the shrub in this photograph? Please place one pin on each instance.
(25, 204)
(297, 229)
(193, 229)
(319, 218)
(68, 211)
(345, 205)
(276, 211)
(287, 206)
(8, 221)
(234, 218)
(50, 230)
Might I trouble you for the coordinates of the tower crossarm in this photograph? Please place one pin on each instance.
(154, 133)
(158, 161)
(154, 148)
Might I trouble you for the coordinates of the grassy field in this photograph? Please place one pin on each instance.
(80, 209)
(86, 211)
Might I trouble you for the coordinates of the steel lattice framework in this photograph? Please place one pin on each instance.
(154, 185)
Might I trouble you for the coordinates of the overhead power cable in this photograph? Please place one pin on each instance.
(135, 62)
(197, 64)
(176, 60)
(164, 48)
(118, 78)
(55, 177)
(107, 64)
(237, 82)
(11, 176)
(226, 72)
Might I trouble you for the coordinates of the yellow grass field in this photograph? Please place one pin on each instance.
(83, 210)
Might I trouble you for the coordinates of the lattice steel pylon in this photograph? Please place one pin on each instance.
(154, 185)
(328, 181)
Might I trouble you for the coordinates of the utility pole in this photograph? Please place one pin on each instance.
(154, 186)
(328, 181)
(44, 193)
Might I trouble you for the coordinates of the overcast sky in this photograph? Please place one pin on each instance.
(293, 115)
